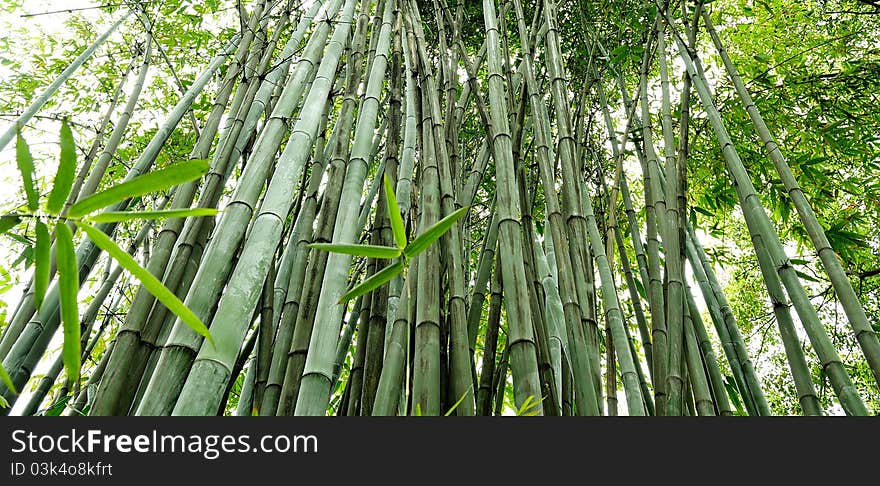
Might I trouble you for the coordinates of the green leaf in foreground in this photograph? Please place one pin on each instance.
(373, 282)
(804, 276)
(68, 287)
(26, 166)
(640, 288)
(7, 380)
(43, 263)
(8, 222)
(114, 216)
(733, 394)
(394, 214)
(161, 292)
(431, 235)
(57, 408)
(66, 172)
(452, 409)
(529, 407)
(371, 251)
(154, 181)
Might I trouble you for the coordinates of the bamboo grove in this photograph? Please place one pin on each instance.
(577, 282)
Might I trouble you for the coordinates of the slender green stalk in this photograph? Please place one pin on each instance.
(460, 372)
(481, 279)
(610, 374)
(245, 405)
(314, 393)
(212, 366)
(391, 381)
(719, 391)
(344, 343)
(635, 235)
(800, 370)
(612, 311)
(655, 216)
(138, 337)
(672, 244)
(426, 368)
(567, 275)
(523, 361)
(724, 321)
(852, 306)
(759, 223)
(703, 401)
(493, 324)
(356, 374)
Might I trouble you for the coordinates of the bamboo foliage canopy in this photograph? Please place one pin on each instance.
(420, 207)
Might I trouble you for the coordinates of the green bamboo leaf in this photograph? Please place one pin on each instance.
(43, 263)
(733, 394)
(68, 286)
(805, 276)
(114, 216)
(8, 222)
(394, 213)
(528, 407)
(703, 211)
(7, 380)
(640, 288)
(373, 282)
(452, 409)
(26, 166)
(372, 251)
(431, 235)
(57, 408)
(66, 171)
(165, 296)
(145, 184)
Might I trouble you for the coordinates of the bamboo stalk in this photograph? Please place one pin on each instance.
(522, 346)
(702, 394)
(655, 217)
(181, 346)
(850, 302)
(719, 390)
(759, 223)
(356, 374)
(567, 274)
(461, 379)
(138, 336)
(314, 392)
(672, 243)
(612, 311)
(211, 367)
(391, 380)
(635, 235)
(725, 324)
